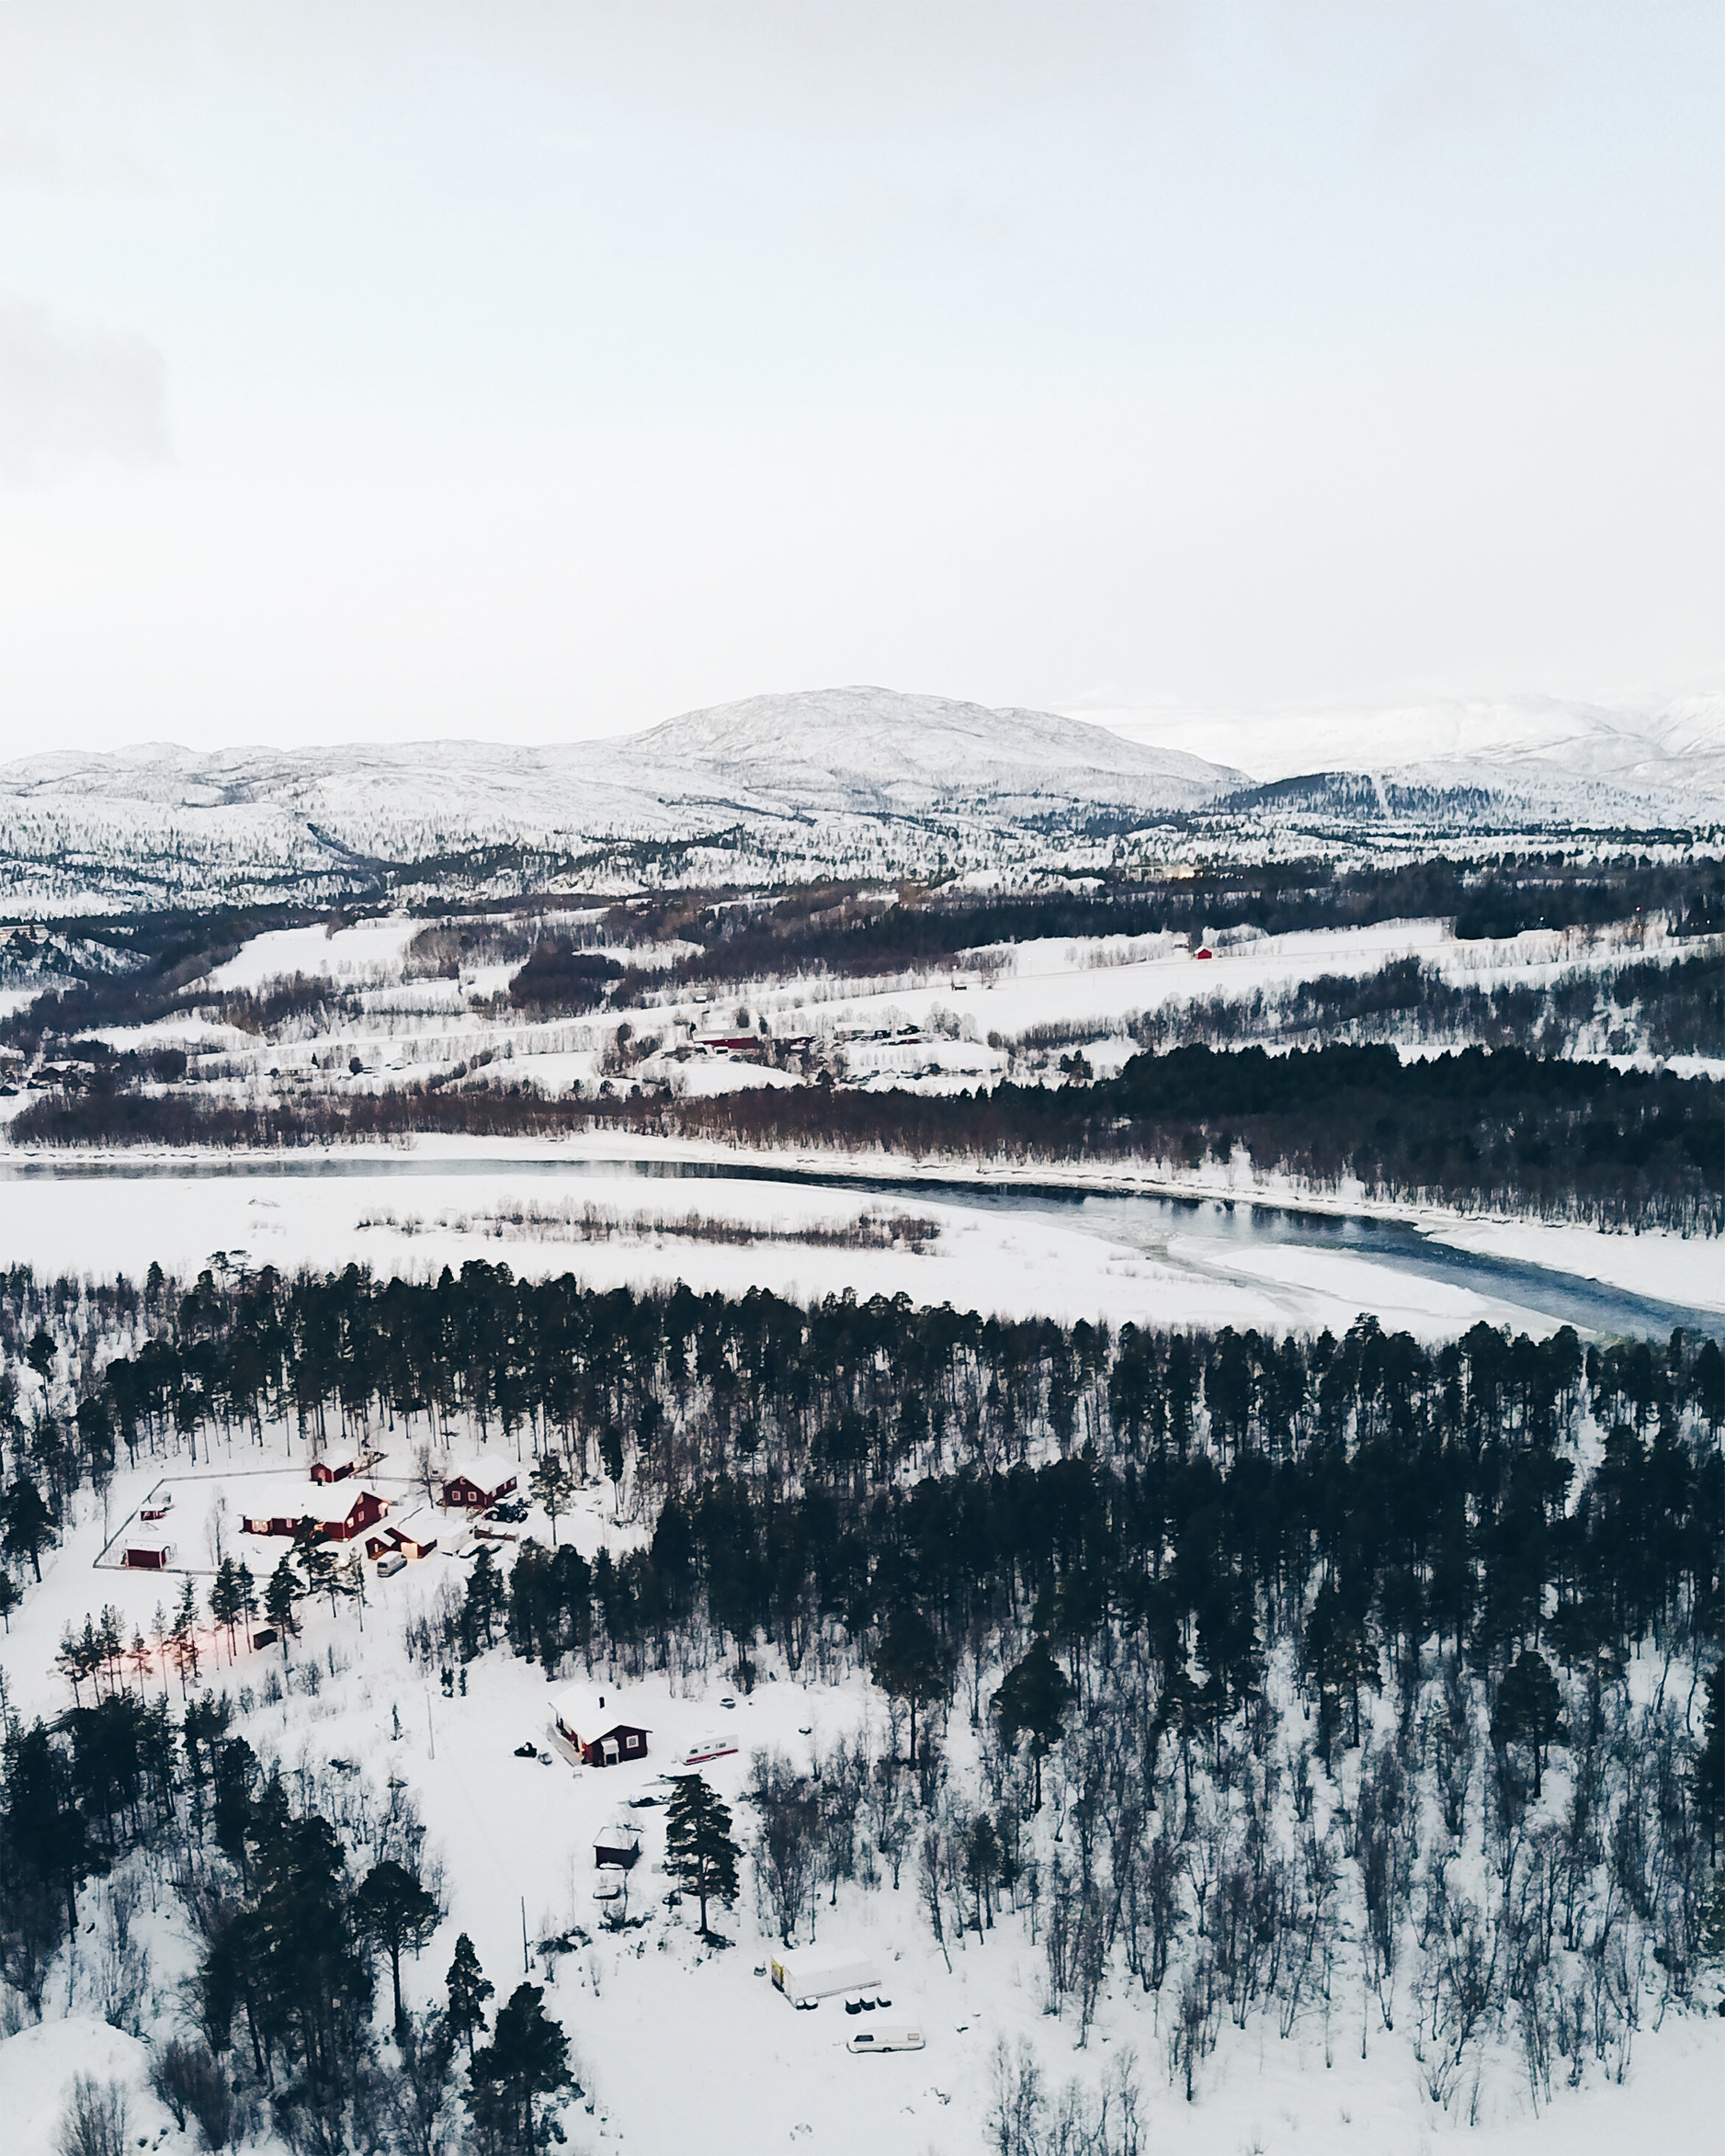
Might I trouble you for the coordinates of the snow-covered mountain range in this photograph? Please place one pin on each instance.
(1588, 756)
(859, 780)
(846, 751)
(864, 780)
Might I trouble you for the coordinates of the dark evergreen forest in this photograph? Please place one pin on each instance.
(1320, 1681)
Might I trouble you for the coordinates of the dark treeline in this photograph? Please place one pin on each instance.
(1504, 1130)
(1298, 1671)
(759, 1402)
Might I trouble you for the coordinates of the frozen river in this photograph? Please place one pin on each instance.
(1015, 1245)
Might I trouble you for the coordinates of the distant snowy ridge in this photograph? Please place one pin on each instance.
(1542, 751)
(858, 751)
(859, 780)
(854, 782)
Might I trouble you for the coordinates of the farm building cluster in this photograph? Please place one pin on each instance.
(339, 1500)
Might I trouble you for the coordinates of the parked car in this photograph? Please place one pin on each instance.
(389, 1563)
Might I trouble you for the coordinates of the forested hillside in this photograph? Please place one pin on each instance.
(1317, 1686)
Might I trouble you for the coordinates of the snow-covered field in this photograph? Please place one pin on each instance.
(449, 1200)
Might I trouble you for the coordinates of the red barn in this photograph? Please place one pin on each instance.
(473, 1496)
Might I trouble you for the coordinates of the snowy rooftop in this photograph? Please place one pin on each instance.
(277, 1499)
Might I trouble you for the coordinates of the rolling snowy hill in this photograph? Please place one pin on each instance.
(859, 781)
(889, 783)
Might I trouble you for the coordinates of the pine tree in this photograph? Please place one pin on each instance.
(394, 1910)
(482, 1602)
(282, 1600)
(700, 1853)
(910, 1664)
(1032, 1701)
(317, 1563)
(227, 1603)
(553, 1487)
(183, 1636)
(469, 1988)
(526, 2061)
(27, 1523)
(1528, 1707)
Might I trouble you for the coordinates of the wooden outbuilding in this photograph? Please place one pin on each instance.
(618, 1846)
(147, 1557)
(416, 1535)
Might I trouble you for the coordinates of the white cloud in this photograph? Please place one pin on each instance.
(70, 393)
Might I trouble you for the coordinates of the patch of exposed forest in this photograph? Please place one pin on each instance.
(1506, 1131)
(128, 970)
(1646, 1007)
(848, 930)
(1323, 1687)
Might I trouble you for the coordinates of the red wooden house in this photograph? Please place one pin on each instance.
(616, 1744)
(337, 1519)
(331, 1471)
(472, 1494)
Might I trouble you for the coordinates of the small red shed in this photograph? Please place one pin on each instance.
(147, 1557)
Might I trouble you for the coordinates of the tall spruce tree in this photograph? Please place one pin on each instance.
(467, 1987)
(700, 1851)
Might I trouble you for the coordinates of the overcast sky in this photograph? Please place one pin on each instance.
(534, 371)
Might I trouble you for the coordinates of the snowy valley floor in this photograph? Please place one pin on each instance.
(1021, 1247)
